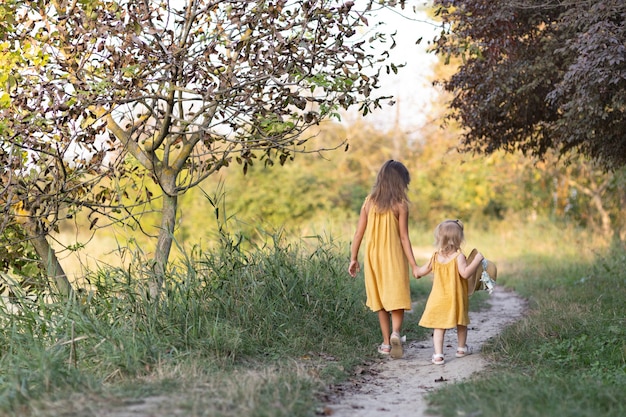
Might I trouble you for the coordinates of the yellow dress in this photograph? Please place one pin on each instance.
(386, 268)
(447, 304)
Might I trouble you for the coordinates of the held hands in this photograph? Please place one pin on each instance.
(416, 273)
(354, 268)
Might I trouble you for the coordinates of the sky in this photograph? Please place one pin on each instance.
(411, 86)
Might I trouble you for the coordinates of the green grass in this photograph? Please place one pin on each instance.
(567, 357)
(262, 332)
(271, 325)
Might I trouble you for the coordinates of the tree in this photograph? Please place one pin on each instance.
(182, 89)
(538, 76)
(34, 176)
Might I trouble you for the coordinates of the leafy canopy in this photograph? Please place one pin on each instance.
(171, 91)
(538, 75)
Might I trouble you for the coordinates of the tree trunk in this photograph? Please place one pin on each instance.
(607, 229)
(595, 193)
(164, 242)
(49, 259)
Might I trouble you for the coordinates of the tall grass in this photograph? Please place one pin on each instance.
(567, 357)
(262, 331)
(279, 311)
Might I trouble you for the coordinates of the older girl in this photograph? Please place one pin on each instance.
(388, 252)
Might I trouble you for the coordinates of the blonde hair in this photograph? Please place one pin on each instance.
(449, 236)
(391, 185)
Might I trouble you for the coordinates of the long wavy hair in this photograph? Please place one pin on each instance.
(390, 188)
(449, 236)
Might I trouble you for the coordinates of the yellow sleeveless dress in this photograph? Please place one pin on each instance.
(386, 268)
(447, 304)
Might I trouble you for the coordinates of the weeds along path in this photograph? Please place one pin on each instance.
(391, 388)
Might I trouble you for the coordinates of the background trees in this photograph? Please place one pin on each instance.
(538, 75)
(121, 108)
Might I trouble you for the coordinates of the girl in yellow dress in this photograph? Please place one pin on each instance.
(447, 304)
(384, 222)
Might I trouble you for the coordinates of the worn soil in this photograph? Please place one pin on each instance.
(398, 387)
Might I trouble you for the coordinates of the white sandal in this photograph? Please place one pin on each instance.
(463, 351)
(396, 346)
(384, 349)
(438, 356)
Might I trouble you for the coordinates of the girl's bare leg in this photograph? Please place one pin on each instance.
(396, 342)
(397, 317)
(461, 332)
(383, 318)
(438, 335)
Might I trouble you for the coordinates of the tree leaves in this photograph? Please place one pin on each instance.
(180, 91)
(539, 76)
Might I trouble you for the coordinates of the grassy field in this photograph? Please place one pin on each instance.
(567, 357)
(263, 332)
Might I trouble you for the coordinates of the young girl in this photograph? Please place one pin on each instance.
(447, 304)
(385, 217)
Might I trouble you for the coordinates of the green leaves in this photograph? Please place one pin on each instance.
(184, 89)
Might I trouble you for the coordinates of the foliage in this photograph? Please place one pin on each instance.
(537, 76)
(19, 258)
(184, 88)
(227, 310)
(444, 183)
(44, 147)
(322, 193)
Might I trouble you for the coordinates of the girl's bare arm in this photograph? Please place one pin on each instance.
(403, 220)
(466, 270)
(356, 241)
(423, 270)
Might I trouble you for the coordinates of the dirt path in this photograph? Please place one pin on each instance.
(393, 388)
